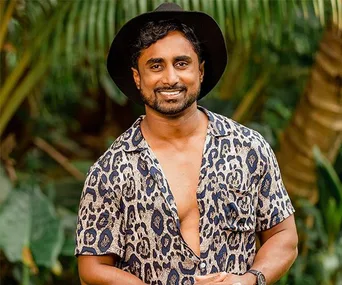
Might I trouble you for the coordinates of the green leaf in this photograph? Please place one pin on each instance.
(39, 229)
(82, 31)
(305, 9)
(130, 9)
(111, 90)
(321, 11)
(211, 6)
(247, 24)
(279, 25)
(68, 219)
(46, 231)
(70, 34)
(330, 195)
(267, 14)
(101, 17)
(68, 248)
(91, 39)
(334, 220)
(22, 90)
(120, 14)
(205, 6)
(16, 211)
(316, 8)
(328, 181)
(111, 17)
(57, 43)
(142, 5)
(67, 193)
(5, 185)
(220, 15)
(230, 20)
(339, 9)
(236, 19)
(195, 4)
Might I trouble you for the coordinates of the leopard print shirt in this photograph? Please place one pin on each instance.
(127, 208)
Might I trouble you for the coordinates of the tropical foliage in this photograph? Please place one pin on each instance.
(60, 110)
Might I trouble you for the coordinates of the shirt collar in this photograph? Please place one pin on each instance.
(133, 140)
(218, 125)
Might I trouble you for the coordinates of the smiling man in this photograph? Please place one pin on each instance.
(181, 196)
(168, 95)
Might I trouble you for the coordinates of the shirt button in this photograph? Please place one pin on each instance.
(202, 265)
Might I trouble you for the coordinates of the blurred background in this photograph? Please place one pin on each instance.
(59, 111)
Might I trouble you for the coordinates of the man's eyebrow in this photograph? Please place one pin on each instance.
(154, 60)
(183, 58)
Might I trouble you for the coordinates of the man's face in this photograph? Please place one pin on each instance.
(169, 74)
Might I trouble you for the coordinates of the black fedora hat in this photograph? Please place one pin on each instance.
(206, 29)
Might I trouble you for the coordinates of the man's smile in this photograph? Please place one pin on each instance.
(171, 93)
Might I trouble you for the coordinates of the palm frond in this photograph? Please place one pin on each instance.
(84, 30)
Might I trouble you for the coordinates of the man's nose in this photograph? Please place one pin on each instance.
(170, 76)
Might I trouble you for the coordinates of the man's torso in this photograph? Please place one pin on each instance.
(149, 215)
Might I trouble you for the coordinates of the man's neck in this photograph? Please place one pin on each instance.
(190, 122)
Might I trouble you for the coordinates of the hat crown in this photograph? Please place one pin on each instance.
(168, 7)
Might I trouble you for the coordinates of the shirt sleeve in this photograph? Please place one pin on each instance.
(274, 204)
(100, 224)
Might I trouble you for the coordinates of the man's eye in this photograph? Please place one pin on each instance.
(182, 64)
(156, 66)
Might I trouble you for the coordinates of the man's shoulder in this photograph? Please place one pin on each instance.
(236, 131)
(116, 153)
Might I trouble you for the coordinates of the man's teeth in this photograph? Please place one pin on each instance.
(170, 92)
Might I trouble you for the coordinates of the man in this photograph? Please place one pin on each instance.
(180, 196)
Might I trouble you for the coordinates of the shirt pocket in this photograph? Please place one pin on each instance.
(237, 211)
(236, 219)
(237, 231)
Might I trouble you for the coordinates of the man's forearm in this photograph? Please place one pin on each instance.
(277, 253)
(94, 273)
(109, 275)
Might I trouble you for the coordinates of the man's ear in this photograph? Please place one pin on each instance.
(201, 68)
(136, 77)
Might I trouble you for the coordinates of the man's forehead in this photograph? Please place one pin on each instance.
(173, 45)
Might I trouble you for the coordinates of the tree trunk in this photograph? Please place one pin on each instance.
(317, 120)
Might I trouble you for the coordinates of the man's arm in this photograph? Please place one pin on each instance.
(278, 250)
(100, 270)
(277, 253)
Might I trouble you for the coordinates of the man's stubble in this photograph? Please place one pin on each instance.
(169, 107)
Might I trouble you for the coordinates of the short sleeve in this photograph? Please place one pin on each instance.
(274, 204)
(100, 224)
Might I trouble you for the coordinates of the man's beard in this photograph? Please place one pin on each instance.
(166, 108)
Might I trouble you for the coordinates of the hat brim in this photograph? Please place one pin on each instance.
(206, 29)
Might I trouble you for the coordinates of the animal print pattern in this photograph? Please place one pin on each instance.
(127, 208)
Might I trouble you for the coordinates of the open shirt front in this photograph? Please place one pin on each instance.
(127, 207)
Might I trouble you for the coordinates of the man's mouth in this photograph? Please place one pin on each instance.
(171, 93)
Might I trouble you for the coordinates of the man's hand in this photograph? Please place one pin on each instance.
(226, 279)
(246, 279)
(210, 278)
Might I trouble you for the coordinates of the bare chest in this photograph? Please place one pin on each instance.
(182, 174)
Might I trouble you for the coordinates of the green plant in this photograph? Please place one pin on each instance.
(31, 232)
(320, 231)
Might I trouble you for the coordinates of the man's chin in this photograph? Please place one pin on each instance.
(172, 107)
